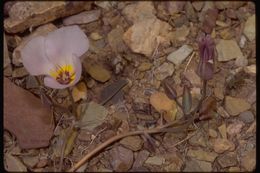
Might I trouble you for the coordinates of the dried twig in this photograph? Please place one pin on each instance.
(189, 61)
(113, 139)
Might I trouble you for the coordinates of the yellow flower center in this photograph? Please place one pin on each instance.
(63, 74)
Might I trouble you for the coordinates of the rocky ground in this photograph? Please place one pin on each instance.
(134, 46)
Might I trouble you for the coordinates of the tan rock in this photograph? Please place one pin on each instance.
(249, 29)
(24, 15)
(144, 36)
(79, 91)
(139, 11)
(222, 145)
(235, 106)
(223, 130)
(202, 155)
(249, 160)
(161, 102)
(228, 50)
(82, 18)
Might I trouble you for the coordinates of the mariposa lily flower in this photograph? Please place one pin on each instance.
(57, 56)
(205, 68)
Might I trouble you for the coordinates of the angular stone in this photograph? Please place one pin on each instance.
(251, 69)
(223, 130)
(190, 12)
(92, 115)
(247, 117)
(139, 11)
(192, 76)
(33, 13)
(97, 72)
(227, 160)
(174, 7)
(249, 29)
(210, 20)
(161, 102)
(198, 140)
(235, 106)
(192, 166)
(205, 166)
(121, 159)
(249, 160)
(19, 72)
(241, 62)
(141, 158)
(178, 56)
(198, 5)
(181, 33)
(155, 160)
(228, 50)
(82, 18)
(222, 145)
(144, 36)
(115, 39)
(26, 117)
(202, 155)
(235, 128)
(163, 71)
(213, 133)
(40, 31)
(133, 143)
(145, 66)
(79, 92)
(176, 163)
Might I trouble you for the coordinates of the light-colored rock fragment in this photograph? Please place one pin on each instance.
(144, 36)
(249, 29)
(139, 11)
(83, 17)
(251, 69)
(26, 14)
(178, 56)
(163, 71)
(235, 106)
(228, 50)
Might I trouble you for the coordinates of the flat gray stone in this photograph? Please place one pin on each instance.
(178, 56)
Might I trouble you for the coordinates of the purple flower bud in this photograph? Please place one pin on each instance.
(57, 56)
(205, 68)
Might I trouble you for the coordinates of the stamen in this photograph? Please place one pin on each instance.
(63, 74)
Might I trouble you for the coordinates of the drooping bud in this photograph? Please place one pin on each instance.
(206, 48)
(186, 100)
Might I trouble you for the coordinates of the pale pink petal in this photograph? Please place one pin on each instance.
(62, 43)
(34, 57)
(52, 83)
(78, 69)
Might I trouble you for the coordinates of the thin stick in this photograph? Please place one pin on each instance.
(73, 104)
(189, 61)
(120, 136)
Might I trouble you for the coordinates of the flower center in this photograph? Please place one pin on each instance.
(63, 74)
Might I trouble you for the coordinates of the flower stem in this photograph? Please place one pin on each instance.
(73, 104)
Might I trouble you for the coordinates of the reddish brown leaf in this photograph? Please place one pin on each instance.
(26, 117)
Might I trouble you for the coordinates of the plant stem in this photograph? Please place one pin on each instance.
(113, 139)
(73, 104)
